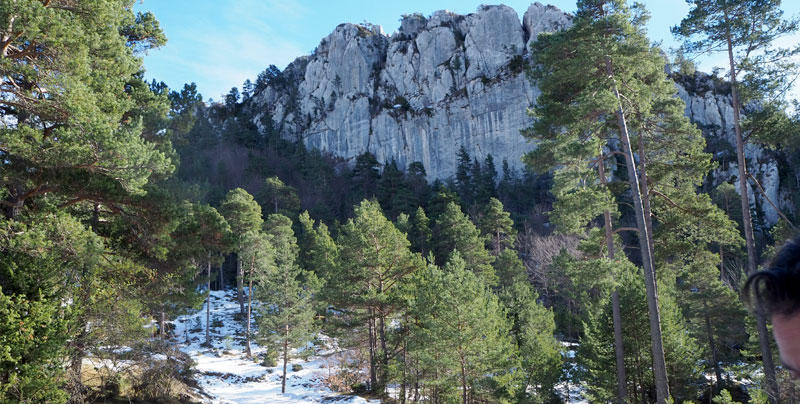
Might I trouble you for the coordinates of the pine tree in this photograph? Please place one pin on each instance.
(243, 214)
(532, 327)
(366, 175)
(419, 233)
(287, 312)
(375, 262)
(463, 332)
(258, 257)
(454, 232)
(76, 131)
(465, 185)
(318, 250)
(746, 30)
(213, 240)
(596, 355)
(277, 197)
(496, 225)
(604, 67)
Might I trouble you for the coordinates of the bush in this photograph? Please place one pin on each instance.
(296, 367)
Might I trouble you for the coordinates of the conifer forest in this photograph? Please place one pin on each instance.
(158, 246)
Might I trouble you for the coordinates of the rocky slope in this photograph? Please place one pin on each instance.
(449, 80)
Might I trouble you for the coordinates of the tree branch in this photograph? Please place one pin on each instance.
(763, 192)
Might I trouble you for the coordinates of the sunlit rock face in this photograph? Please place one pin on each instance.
(438, 83)
(448, 80)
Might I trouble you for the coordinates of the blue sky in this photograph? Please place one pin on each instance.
(220, 43)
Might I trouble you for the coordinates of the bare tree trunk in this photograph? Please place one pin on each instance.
(240, 283)
(285, 357)
(373, 377)
(463, 380)
(747, 225)
(713, 347)
(208, 301)
(619, 351)
(249, 307)
(162, 325)
(659, 363)
(404, 381)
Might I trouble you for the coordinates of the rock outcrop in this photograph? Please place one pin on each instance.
(446, 81)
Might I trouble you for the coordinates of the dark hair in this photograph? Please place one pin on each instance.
(776, 290)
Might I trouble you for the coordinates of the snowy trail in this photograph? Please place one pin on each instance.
(225, 373)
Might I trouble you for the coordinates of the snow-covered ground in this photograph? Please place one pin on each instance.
(225, 373)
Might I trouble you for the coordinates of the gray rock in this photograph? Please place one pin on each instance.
(444, 82)
(540, 18)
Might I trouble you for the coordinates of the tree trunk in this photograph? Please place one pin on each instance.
(373, 377)
(12, 206)
(249, 307)
(619, 351)
(162, 325)
(404, 381)
(208, 302)
(285, 358)
(659, 363)
(712, 347)
(747, 225)
(240, 284)
(648, 215)
(463, 380)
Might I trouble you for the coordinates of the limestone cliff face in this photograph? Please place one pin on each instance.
(447, 81)
(709, 105)
(437, 84)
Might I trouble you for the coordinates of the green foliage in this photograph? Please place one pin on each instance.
(286, 313)
(394, 193)
(753, 28)
(455, 233)
(241, 212)
(498, 228)
(75, 130)
(461, 336)
(533, 328)
(596, 354)
(318, 251)
(277, 197)
(375, 264)
(419, 233)
(33, 335)
(724, 397)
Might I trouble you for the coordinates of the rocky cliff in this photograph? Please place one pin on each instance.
(449, 80)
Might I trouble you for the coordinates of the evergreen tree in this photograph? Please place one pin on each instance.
(497, 227)
(243, 214)
(366, 175)
(746, 30)
(419, 233)
(533, 329)
(441, 198)
(611, 71)
(463, 335)
(258, 256)
(70, 130)
(454, 232)
(318, 251)
(214, 240)
(486, 184)
(375, 263)
(596, 355)
(464, 180)
(286, 294)
(393, 192)
(277, 197)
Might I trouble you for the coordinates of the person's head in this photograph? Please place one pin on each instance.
(775, 293)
